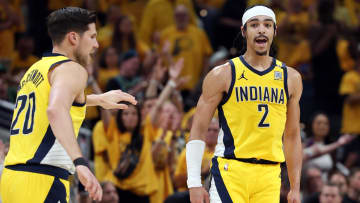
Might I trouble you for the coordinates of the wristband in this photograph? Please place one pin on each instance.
(81, 161)
(172, 83)
(194, 154)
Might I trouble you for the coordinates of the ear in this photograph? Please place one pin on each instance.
(73, 38)
(242, 31)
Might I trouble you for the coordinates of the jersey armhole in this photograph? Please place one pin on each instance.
(285, 80)
(233, 76)
(54, 65)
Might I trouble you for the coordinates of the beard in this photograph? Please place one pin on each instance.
(82, 59)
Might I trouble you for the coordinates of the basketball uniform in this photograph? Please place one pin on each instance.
(37, 167)
(252, 116)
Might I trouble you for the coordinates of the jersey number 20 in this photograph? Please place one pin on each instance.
(29, 116)
(262, 121)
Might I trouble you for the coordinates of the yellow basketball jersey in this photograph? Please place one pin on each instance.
(252, 114)
(32, 140)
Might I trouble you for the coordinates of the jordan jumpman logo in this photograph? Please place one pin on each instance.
(243, 76)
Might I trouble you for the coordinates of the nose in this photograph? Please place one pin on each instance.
(96, 44)
(261, 29)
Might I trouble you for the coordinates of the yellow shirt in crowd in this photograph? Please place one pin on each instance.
(105, 74)
(158, 15)
(100, 143)
(212, 3)
(350, 84)
(57, 4)
(191, 44)
(18, 64)
(143, 180)
(342, 49)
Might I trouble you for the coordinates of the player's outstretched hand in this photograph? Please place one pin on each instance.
(293, 196)
(199, 195)
(90, 183)
(111, 99)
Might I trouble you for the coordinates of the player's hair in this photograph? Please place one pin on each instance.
(68, 19)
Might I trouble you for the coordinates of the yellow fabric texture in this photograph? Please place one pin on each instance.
(191, 44)
(100, 143)
(350, 84)
(159, 14)
(353, 8)
(105, 74)
(19, 64)
(34, 187)
(181, 169)
(295, 48)
(255, 112)
(346, 61)
(143, 180)
(32, 121)
(247, 183)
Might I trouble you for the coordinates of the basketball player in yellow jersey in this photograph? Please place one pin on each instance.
(50, 108)
(257, 98)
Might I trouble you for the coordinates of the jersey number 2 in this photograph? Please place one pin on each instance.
(29, 116)
(266, 108)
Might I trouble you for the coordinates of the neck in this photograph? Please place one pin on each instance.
(256, 60)
(64, 51)
(353, 194)
(211, 147)
(318, 138)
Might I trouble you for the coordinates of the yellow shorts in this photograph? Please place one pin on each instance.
(240, 182)
(33, 187)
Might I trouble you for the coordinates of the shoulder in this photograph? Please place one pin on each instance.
(69, 70)
(294, 82)
(219, 78)
(293, 74)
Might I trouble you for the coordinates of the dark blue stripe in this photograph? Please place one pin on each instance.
(228, 138)
(78, 104)
(47, 54)
(272, 66)
(219, 183)
(285, 80)
(233, 76)
(58, 63)
(57, 192)
(44, 147)
(42, 169)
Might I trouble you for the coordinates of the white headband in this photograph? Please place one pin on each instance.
(257, 11)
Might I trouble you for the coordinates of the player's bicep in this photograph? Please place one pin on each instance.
(67, 82)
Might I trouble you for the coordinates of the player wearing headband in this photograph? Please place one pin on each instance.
(257, 98)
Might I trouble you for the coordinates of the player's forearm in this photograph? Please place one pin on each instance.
(293, 156)
(62, 127)
(93, 100)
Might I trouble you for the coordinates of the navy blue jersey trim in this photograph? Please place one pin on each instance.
(46, 143)
(78, 104)
(233, 76)
(285, 80)
(261, 73)
(47, 54)
(228, 139)
(219, 183)
(58, 63)
(57, 192)
(42, 169)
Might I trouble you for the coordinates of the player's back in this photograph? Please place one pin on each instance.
(32, 141)
(253, 114)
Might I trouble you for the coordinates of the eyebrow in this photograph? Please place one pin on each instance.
(256, 19)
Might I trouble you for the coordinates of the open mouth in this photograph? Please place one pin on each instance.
(261, 40)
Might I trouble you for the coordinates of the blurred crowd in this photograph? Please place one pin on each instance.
(160, 51)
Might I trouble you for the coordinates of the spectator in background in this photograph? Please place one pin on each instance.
(108, 66)
(23, 58)
(350, 90)
(128, 80)
(353, 193)
(106, 32)
(158, 15)
(313, 184)
(325, 64)
(123, 132)
(330, 193)
(340, 180)
(109, 193)
(188, 42)
(124, 39)
(317, 150)
(10, 22)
